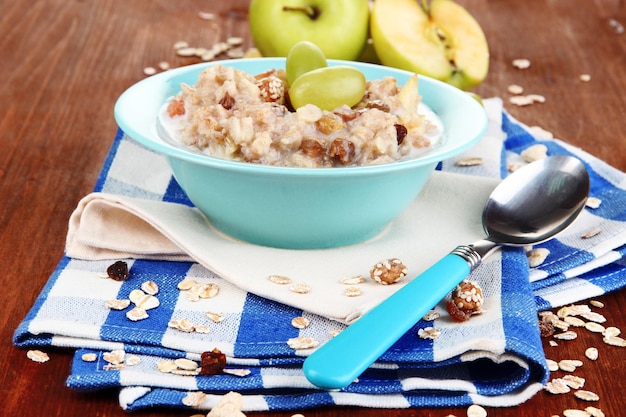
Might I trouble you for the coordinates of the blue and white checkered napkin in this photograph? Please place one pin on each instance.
(494, 359)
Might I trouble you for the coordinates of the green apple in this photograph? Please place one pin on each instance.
(441, 40)
(338, 27)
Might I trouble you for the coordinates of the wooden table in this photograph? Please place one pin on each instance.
(64, 63)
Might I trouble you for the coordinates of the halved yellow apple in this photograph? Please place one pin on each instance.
(441, 40)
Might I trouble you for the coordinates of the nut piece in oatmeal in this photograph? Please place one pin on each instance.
(230, 114)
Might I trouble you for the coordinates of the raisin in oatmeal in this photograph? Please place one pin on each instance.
(233, 115)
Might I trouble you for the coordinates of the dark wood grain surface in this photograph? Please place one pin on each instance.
(65, 62)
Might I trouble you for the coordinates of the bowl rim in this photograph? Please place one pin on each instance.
(434, 155)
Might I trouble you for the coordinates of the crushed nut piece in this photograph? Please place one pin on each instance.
(388, 271)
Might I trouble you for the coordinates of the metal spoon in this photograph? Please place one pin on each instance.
(530, 206)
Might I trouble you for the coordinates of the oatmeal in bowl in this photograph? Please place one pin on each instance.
(297, 178)
(235, 115)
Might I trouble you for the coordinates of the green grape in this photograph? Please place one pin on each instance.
(328, 88)
(303, 57)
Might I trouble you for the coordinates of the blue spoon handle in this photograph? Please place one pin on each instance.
(342, 359)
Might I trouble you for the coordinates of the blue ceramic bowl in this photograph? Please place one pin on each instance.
(299, 208)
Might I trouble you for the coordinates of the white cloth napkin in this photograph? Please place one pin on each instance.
(447, 213)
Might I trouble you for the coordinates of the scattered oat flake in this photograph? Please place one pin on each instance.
(521, 100)
(194, 399)
(553, 343)
(557, 386)
(573, 310)
(574, 321)
(201, 328)
(592, 353)
(186, 284)
(149, 71)
(585, 78)
(429, 333)
(164, 65)
(593, 202)
(594, 412)
(611, 331)
(117, 304)
(353, 291)
(573, 381)
(614, 341)
(302, 342)
(300, 288)
(184, 325)
(150, 287)
(37, 356)
(357, 279)
(186, 364)
(534, 153)
(206, 15)
(476, 410)
(593, 316)
(594, 327)
(237, 372)
(432, 315)
(569, 365)
(521, 63)
(166, 366)
(300, 322)
(586, 395)
(186, 51)
(280, 279)
(537, 256)
(541, 132)
(570, 412)
(114, 357)
(552, 365)
(216, 317)
(468, 162)
(89, 357)
(596, 303)
(591, 233)
(515, 89)
(181, 44)
(568, 335)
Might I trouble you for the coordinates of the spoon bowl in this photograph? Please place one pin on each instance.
(531, 205)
